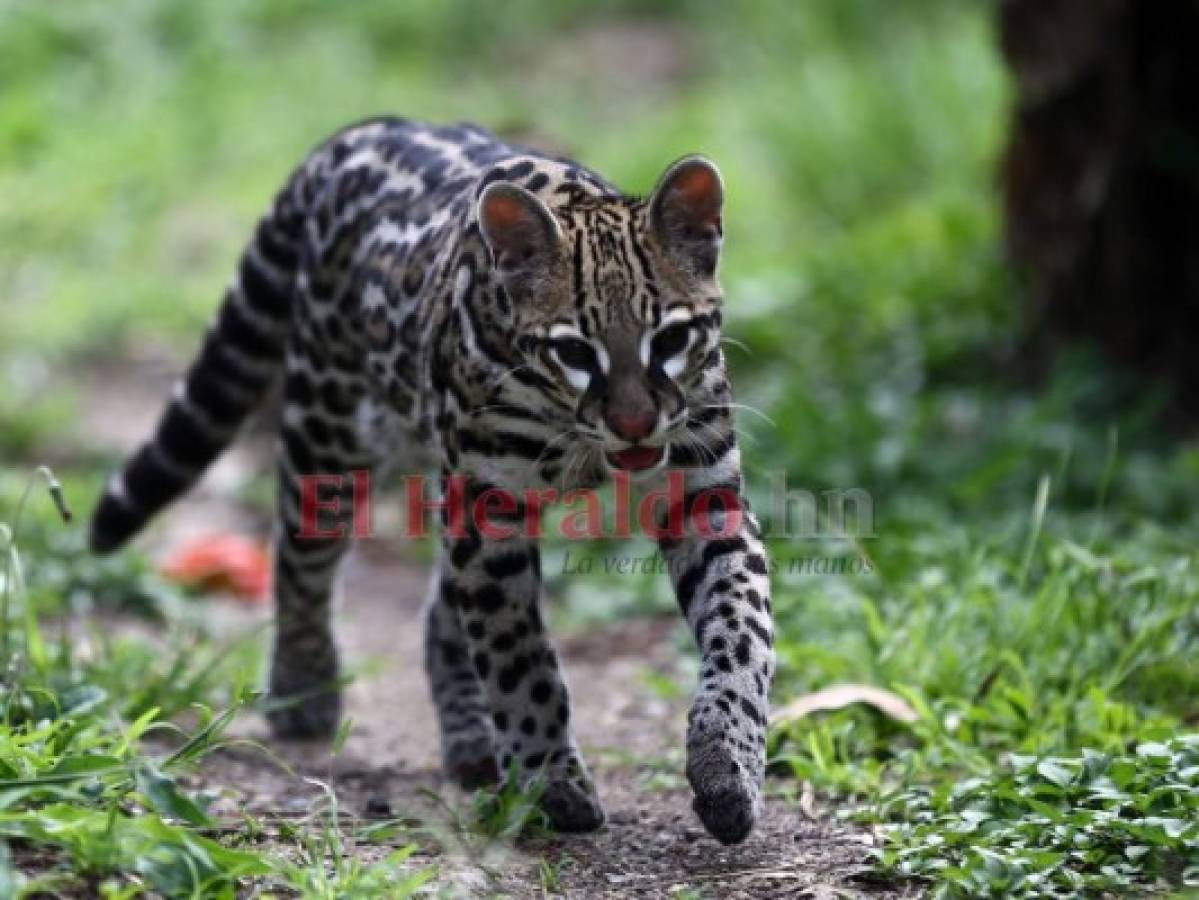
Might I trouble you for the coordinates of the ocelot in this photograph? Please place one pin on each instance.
(432, 297)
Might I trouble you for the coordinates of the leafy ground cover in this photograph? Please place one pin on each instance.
(91, 754)
(1030, 585)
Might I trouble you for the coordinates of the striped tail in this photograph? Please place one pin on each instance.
(241, 357)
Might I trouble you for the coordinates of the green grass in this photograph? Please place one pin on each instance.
(1033, 586)
(325, 865)
(491, 816)
(91, 757)
(1088, 824)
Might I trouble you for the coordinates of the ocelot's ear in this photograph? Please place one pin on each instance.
(520, 231)
(685, 212)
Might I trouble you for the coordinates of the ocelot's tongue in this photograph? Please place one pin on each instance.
(636, 458)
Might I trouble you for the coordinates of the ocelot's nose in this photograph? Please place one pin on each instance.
(632, 425)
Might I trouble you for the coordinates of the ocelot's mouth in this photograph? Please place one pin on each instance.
(636, 459)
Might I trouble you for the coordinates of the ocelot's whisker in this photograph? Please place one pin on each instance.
(740, 345)
(747, 408)
(693, 442)
(499, 382)
(551, 444)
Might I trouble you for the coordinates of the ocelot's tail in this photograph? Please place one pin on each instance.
(241, 356)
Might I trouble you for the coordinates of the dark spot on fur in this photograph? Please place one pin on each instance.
(743, 650)
(541, 692)
(756, 627)
(510, 676)
(507, 565)
(750, 711)
(489, 599)
(503, 642)
(451, 653)
(535, 760)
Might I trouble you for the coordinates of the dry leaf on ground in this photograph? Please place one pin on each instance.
(840, 696)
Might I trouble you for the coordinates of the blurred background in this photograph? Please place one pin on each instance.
(859, 140)
(911, 264)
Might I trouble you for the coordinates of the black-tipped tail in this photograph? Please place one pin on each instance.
(115, 520)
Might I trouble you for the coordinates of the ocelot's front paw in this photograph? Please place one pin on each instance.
(568, 796)
(727, 781)
(572, 804)
(305, 703)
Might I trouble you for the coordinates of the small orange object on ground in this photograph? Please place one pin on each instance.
(227, 563)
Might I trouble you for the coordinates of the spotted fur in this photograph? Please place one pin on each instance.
(434, 296)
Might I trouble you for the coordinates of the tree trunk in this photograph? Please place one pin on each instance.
(1101, 179)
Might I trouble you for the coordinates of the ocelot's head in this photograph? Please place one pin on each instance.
(617, 304)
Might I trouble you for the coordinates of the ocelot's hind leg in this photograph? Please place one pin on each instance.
(467, 737)
(313, 528)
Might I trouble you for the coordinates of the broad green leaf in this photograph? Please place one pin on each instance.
(164, 795)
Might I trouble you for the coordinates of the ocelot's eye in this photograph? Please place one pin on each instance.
(670, 341)
(575, 353)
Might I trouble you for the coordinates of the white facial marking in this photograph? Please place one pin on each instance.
(674, 316)
(579, 379)
(673, 366)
